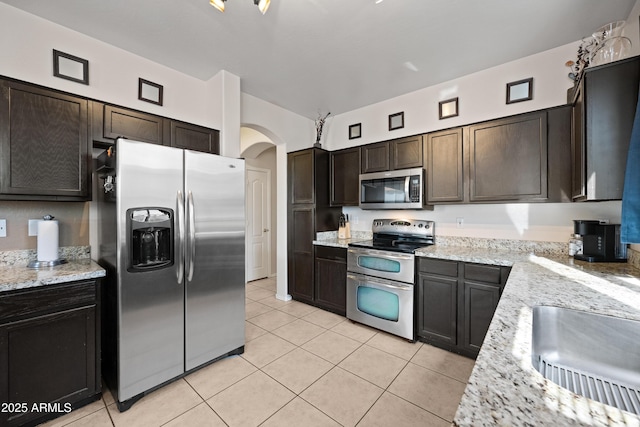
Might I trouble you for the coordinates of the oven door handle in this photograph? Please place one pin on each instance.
(360, 253)
(379, 283)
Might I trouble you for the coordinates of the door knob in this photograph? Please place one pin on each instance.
(265, 230)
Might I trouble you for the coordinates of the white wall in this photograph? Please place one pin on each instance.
(482, 96)
(632, 29)
(26, 45)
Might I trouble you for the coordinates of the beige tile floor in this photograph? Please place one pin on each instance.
(302, 367)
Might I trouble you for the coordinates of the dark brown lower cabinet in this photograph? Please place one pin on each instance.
(49, 351)
(480, 302)
(456, 302)
(437, 313)
(300, 260)
(331, 279)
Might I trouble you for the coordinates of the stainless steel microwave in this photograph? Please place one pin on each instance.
(399, 189)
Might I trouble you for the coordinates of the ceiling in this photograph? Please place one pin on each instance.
(312, 56)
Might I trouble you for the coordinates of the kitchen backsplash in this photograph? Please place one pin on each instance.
(527, 246)
(23, 257)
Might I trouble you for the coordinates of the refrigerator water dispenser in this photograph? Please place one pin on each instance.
(150, 232)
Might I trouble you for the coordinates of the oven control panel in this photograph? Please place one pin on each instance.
(404, 226)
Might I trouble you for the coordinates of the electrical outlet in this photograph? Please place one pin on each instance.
(3, 228)
(33, 227)
(354, 220)
(460, 222)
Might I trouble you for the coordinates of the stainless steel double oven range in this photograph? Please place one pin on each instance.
(381, 275)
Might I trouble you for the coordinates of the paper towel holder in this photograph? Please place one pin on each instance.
(42, 264)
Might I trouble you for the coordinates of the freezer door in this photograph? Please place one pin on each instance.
(150, 301)
(215, 256)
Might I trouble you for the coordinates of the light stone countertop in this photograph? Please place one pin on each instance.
(504, 388)
(20, 276)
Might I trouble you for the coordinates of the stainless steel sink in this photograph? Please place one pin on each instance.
(593, 355)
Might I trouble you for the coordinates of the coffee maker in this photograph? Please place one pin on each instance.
(600, 242)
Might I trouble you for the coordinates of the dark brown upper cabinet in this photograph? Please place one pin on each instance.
(194, 137)
(508, 159)
(406, 152)
(344, 176)
(519, 158)
(44, 146)
(444, 165)
(109, 122)
(604, 105)
(375, 157)
(401, 153)
(302, 177)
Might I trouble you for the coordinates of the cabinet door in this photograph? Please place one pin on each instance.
(375, 157)
(301, 177)
(480, 302)
(109, 122)
(578, 150)
(300, 264)
(445, 177)
(44, 146)
(345, 173)
(193, 137)
(331, 279)
(610, 100)
(406, 152)
(508, 159)
(48, 359)
(437, 308)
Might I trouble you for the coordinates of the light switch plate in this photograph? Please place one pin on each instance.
(3, 228)
(33, 227)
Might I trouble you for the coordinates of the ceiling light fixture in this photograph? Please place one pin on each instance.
(218, 4)
(263, 5)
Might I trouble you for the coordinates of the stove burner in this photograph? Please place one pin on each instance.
(399, 235)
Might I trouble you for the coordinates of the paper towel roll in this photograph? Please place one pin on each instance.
(47, 240)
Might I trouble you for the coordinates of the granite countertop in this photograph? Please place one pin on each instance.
(504, 388)
(20, 277)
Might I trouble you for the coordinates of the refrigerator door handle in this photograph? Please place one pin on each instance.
(181, 236)
(191, 228)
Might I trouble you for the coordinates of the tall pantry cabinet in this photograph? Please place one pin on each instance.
(308, 212)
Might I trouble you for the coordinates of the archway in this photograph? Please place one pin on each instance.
(266, 155)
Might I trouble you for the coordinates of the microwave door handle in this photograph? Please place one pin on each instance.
(407, 183)
(181, 235)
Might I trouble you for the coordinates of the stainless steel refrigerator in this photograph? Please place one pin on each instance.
(172, 238)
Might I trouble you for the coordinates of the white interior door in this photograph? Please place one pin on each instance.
(258, 217)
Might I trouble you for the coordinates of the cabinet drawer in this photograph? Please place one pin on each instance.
(482, 273)
(45, 299)
(329, 252)
(438, 266)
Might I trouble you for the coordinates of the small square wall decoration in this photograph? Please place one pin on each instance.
(448, 108)
(521, 90)
(70, 67)
(355, 131)
(149, 91)
(396, 121)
